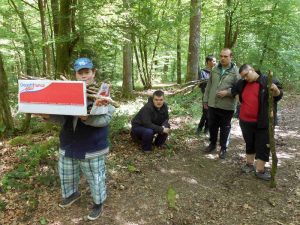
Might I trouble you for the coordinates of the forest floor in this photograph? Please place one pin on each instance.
(179, 185)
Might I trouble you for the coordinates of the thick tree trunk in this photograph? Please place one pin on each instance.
(127, 61)
(64, 45)
(5, 112)
(194, 41)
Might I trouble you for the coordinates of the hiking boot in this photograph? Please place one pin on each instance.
(210, 148)
(263, 175)
(222, 154)
(205, 131)
(70, 200)
(96, 212)
(248, 168)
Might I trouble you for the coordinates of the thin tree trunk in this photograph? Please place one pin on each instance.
(127, 60)
(271, 132)
(178, 43)
(231, 35)
(46, 49)
(31, 46)
(5, 112)
(194, 41)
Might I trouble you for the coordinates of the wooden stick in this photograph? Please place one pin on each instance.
(271, 131)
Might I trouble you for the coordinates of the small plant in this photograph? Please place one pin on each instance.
(171, 198)
(2, 205)
(20, 140)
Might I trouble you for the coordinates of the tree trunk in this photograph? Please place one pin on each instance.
(178, 43)
(194, 41)
(271, 132)
(231, 34)
(63, 41)
(127, 60)
(5, 112)
(46, 47)
(24, 26)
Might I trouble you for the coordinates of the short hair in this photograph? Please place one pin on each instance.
(158, 93)
(244, 67)
(209, 58)
(227, 49)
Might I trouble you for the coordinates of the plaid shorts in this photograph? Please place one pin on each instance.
(94, 171)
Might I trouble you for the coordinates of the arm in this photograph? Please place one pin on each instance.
(99, 120)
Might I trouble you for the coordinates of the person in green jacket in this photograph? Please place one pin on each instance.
(219, 101)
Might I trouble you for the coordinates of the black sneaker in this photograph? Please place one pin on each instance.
(69, 200)
(96, 212)
(222, 154)
(210, 148)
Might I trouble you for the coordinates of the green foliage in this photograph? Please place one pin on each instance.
(31, 159)
(189, 104)
(119, 124)
(171, 198)
(43, 221)
(20, 141)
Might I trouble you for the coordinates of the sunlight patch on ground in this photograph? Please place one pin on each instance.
(171, 171)
(285, 133)
(212, 156)
(189, 180)
(130, 108)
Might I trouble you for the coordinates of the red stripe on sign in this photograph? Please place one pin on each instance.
(56, 93)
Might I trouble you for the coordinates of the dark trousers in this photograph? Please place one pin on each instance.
(146, 135)
(204, 120)
(219, 118)
(257, 140)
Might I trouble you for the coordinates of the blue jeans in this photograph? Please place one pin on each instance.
(146, 135)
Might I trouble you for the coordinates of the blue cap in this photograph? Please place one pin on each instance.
(83, 63)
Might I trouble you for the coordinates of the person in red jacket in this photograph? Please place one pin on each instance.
(253, 95)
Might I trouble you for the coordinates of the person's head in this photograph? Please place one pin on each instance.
(84, 70)
(225, 57)
(248, 73)
(210, 61)
(158, 98)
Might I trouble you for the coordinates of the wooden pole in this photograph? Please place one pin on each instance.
(271, 132)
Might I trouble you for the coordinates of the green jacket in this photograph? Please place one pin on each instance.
(218, 82)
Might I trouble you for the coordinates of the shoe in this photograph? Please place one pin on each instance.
(205, 130)
(248, 168)
(96, 212)
(263, 175)
(210, 148)
(69, 200)
(222, 154)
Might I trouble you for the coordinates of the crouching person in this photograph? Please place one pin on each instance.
(83, 148)
(253, 95)
(151, 120)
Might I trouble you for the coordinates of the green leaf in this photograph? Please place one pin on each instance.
(171, 198)
(43, 221)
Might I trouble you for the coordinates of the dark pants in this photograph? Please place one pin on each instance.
(146, 135)
(219, 118)
(204, 120)
(256, 140)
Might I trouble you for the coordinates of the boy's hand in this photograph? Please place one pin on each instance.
(100, 102)
(83, 118)
(166, 130)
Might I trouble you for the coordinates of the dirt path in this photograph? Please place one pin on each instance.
(208, 190)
